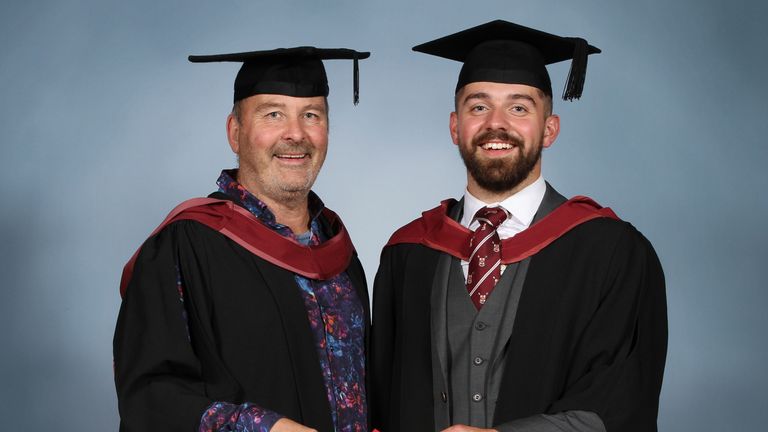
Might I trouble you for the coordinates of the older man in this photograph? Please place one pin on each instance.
(248, 310)
(515, 309)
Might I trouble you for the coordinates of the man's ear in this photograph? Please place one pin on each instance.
(453, 124)
(233, 133)
(551, 130)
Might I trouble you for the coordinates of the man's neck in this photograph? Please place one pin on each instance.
(293, 213)
(289, 209)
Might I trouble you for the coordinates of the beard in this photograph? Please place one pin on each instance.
(500, 175)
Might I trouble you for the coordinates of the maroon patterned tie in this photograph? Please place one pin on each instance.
(485, 258)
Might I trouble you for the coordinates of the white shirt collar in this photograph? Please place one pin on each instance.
(522, 205)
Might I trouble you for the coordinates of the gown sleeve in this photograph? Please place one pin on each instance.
(158, 374)
(617, 364)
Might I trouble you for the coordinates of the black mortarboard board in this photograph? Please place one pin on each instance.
(500, 51)
(297, 72)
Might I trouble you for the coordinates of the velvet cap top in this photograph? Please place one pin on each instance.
(504, 52)
(296, 72)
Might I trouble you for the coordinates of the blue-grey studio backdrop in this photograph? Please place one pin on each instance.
(104, 127)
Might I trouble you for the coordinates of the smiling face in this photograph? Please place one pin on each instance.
(281, 143)
(500, 130)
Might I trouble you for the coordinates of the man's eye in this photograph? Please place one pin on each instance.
(311, 115)
(479, 108)
(273, 114)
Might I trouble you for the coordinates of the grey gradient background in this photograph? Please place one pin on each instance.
(104, 127)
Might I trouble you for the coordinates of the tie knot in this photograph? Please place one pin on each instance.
(493, 216)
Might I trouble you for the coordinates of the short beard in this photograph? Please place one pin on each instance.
(274, 188)
(500, 175)
(296, 190)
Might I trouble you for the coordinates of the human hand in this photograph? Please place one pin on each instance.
(465, 428)
(288, 425)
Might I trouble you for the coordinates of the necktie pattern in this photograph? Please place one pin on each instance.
(485, 258)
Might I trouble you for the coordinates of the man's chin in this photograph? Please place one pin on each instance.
(498, 166)
(499, 177)
(299, 186)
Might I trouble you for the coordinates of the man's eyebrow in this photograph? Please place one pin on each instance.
(268, 105)
(476, 95)
(516, 96)
(486, 96)
(315, 107)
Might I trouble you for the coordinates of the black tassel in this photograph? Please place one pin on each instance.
(355, 81)
(575, 84)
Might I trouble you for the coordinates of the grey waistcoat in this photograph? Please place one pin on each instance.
(477, 343)
(455, 377)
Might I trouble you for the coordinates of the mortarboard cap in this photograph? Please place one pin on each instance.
(297, 72)
(503, 52)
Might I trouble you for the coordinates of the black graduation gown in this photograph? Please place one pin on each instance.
(590, 333)
(247, 337)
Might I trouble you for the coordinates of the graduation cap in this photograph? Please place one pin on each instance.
(297, 72)
(503, 52)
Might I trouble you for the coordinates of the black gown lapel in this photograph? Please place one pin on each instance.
(313, 399)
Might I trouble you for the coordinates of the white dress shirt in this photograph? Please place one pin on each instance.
(522, 207)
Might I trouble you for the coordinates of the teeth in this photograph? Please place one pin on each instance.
(291, 156)
(497, 146)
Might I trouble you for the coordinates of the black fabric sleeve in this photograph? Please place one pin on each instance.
(157, 374)
(617, 365)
